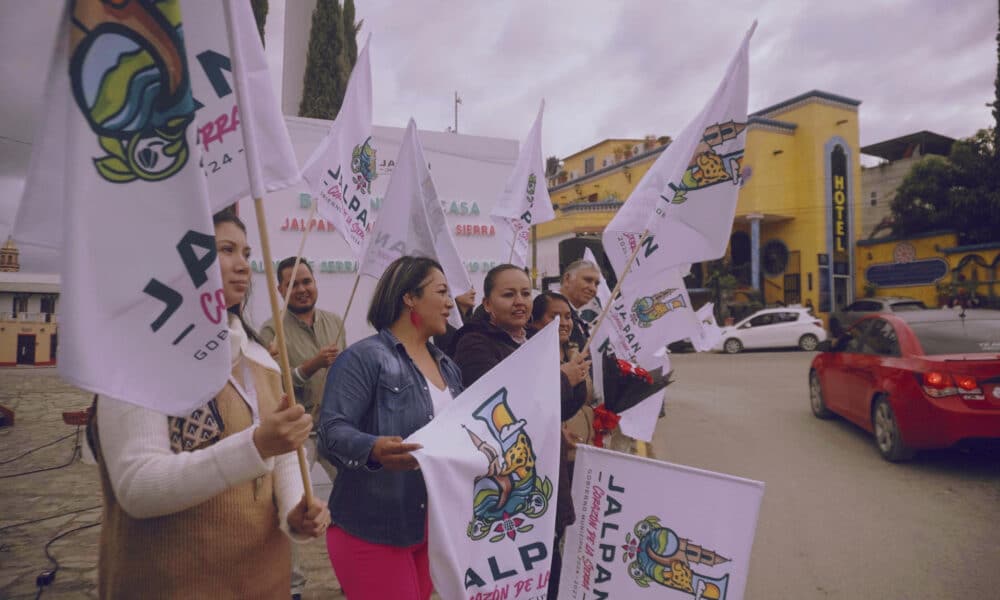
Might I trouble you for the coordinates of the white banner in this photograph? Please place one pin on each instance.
(525, 199)
(649, 529)
(710, 334)
(341, 170)
(687, 199)
(143, 316)
(491, 464)
(411, 221)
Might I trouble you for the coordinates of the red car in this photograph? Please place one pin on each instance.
(923, 379)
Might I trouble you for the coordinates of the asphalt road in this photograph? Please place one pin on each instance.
(836, 521)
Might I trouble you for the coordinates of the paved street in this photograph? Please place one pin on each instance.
(837, 521)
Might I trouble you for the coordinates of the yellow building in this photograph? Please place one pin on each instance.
(28, 329)
(931, 267)
(797, 217)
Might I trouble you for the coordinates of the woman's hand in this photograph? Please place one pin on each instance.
(393, 454)
(576, 368)
(309, 519)
(283, 430)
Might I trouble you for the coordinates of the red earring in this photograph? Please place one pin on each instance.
(415, 318)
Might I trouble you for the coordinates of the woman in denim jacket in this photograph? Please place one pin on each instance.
(378, 392)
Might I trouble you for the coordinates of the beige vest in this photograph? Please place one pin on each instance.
(227, 547)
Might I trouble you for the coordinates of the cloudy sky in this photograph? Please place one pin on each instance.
(608, 68)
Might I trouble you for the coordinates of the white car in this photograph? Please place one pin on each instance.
(773, 328)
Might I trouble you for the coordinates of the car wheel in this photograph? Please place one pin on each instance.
(808, 342)
(887, 437)
(816, 398)
(733, 346)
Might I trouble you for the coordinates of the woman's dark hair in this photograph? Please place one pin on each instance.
(405, 275)
(491, 277)
(228, 215)
(541, 304)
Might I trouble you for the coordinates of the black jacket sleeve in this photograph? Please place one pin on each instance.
(571, 397)
(475, 355)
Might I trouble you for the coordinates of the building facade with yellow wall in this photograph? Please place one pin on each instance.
(931, 267)
(797, 217)
(28, 327)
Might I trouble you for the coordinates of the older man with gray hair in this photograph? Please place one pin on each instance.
(579, 285)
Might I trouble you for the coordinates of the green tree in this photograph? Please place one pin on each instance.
(260, 15)
(325, 79)
(961, 193)
(552, 165)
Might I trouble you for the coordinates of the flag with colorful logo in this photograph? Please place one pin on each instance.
(687, 199)
(412, 222)
(646, 316)
(342, 169)
(220, 47)
(650, 529)
(525, 199)
(144, 316)
(491, 464)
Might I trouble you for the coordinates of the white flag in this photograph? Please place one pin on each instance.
(342, 169)
(412, 222)
(525, 199)
(710, 333)
(245, 147)
(590, 311)
(646, 316)
(687, 199)
(219, 52)
(491, 465)
(143, 317)
(649, 529)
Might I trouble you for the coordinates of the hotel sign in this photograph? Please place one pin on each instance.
(839, 206)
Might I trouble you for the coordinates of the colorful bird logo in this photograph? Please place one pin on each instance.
(659, 555)
(130, 80)
(510, 487)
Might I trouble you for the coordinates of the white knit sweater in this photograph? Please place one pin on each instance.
(150, 480)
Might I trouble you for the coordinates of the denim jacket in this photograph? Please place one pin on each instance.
(375, 389)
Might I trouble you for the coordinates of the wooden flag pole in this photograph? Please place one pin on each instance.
(279, 334)
(244, 101)
(298, 261)
(640, 446)
(343, 323)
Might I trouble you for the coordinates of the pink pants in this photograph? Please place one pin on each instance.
(368, 571)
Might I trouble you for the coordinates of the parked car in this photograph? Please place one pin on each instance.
(922, 379)
(857, 310)
(773, 328)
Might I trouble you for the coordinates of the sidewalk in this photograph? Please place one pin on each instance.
(38, 397)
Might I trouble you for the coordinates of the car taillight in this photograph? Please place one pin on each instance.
(938, 384)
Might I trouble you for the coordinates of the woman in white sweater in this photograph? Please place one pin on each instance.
(203, 506)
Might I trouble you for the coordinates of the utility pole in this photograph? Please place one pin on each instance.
(458, 101)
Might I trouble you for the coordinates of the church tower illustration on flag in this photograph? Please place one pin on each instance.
(510, 487)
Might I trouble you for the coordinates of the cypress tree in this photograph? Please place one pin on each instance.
(325, 79)
(350, 35)
(260, 15)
